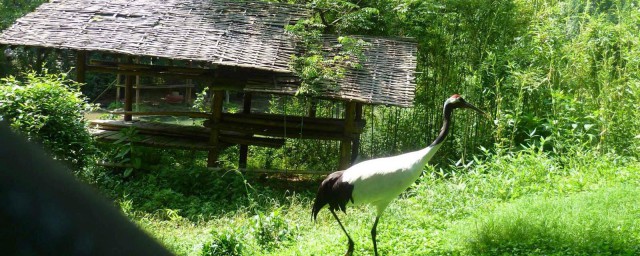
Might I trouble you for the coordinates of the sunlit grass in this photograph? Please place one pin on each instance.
(528, 202)
(601, 222)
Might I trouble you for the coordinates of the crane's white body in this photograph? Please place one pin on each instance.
(379, 181)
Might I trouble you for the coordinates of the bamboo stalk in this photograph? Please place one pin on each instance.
(274, 171)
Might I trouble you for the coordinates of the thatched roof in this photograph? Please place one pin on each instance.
(246, 34)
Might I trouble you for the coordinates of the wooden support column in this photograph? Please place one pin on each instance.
(244, 149)
(128, 92)
(118, 83)
(216, 116)
(356, 139)
(187, 93)
(137, 92)
(81, 66)
(128, 96)
(346, 144)
(40, 55)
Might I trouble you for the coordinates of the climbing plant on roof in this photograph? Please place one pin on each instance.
(321, 65)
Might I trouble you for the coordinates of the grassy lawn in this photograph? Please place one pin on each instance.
(526, 203)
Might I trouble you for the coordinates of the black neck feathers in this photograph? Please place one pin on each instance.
(446, 122)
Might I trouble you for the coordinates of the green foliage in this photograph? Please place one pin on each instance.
(49, 110)
(201, 103)
(298, 154)
(503, 202)
(224, 242)
(565, 71)
(124, 150)
(271, 230)
(12, 10)
(320, 67)
(554, 172)
(590, 223)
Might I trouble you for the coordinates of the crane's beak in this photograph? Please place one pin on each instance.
(471, 106)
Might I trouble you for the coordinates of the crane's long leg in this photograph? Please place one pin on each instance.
(380, 207)
(350, 250)
(373, 235)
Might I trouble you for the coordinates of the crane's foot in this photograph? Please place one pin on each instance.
(350, 250)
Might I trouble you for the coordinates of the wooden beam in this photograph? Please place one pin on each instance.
(222, 77)
(278, 132)
(81, 66)
(217, 70)
(185, 132)
(231, 82)
(262, 124)
(116, 70)
(216, 117)
(346, 144)
(271, 171)
(163, 113)
(255, 141)
(292, 122)
(244, 149)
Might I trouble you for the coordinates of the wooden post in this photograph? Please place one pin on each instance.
(40, 55)
(187, 96)
(346, 144)
(356, 139)
(187, 93)
(128, 92)
(244, 149)
(118, 80)
(128, 96)
(137, 92)
(216, 116)
(81, 66)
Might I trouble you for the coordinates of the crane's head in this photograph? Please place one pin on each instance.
(456, 101)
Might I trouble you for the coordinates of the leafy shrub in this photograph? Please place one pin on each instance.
(271, 230)
(224, 242)
(49, 110)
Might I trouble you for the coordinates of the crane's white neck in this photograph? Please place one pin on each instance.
(428, 152)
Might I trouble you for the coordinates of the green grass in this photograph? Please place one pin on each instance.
(528, 203)
(600, 222)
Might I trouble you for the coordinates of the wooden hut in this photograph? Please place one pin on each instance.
(232, 45)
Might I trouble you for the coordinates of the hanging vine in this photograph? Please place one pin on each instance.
(320, 64)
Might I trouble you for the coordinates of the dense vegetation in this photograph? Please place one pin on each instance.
(49, 110)
(555, 172)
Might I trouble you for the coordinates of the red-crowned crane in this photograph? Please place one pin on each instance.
(379, 181)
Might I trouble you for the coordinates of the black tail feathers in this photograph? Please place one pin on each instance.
(334, 192)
